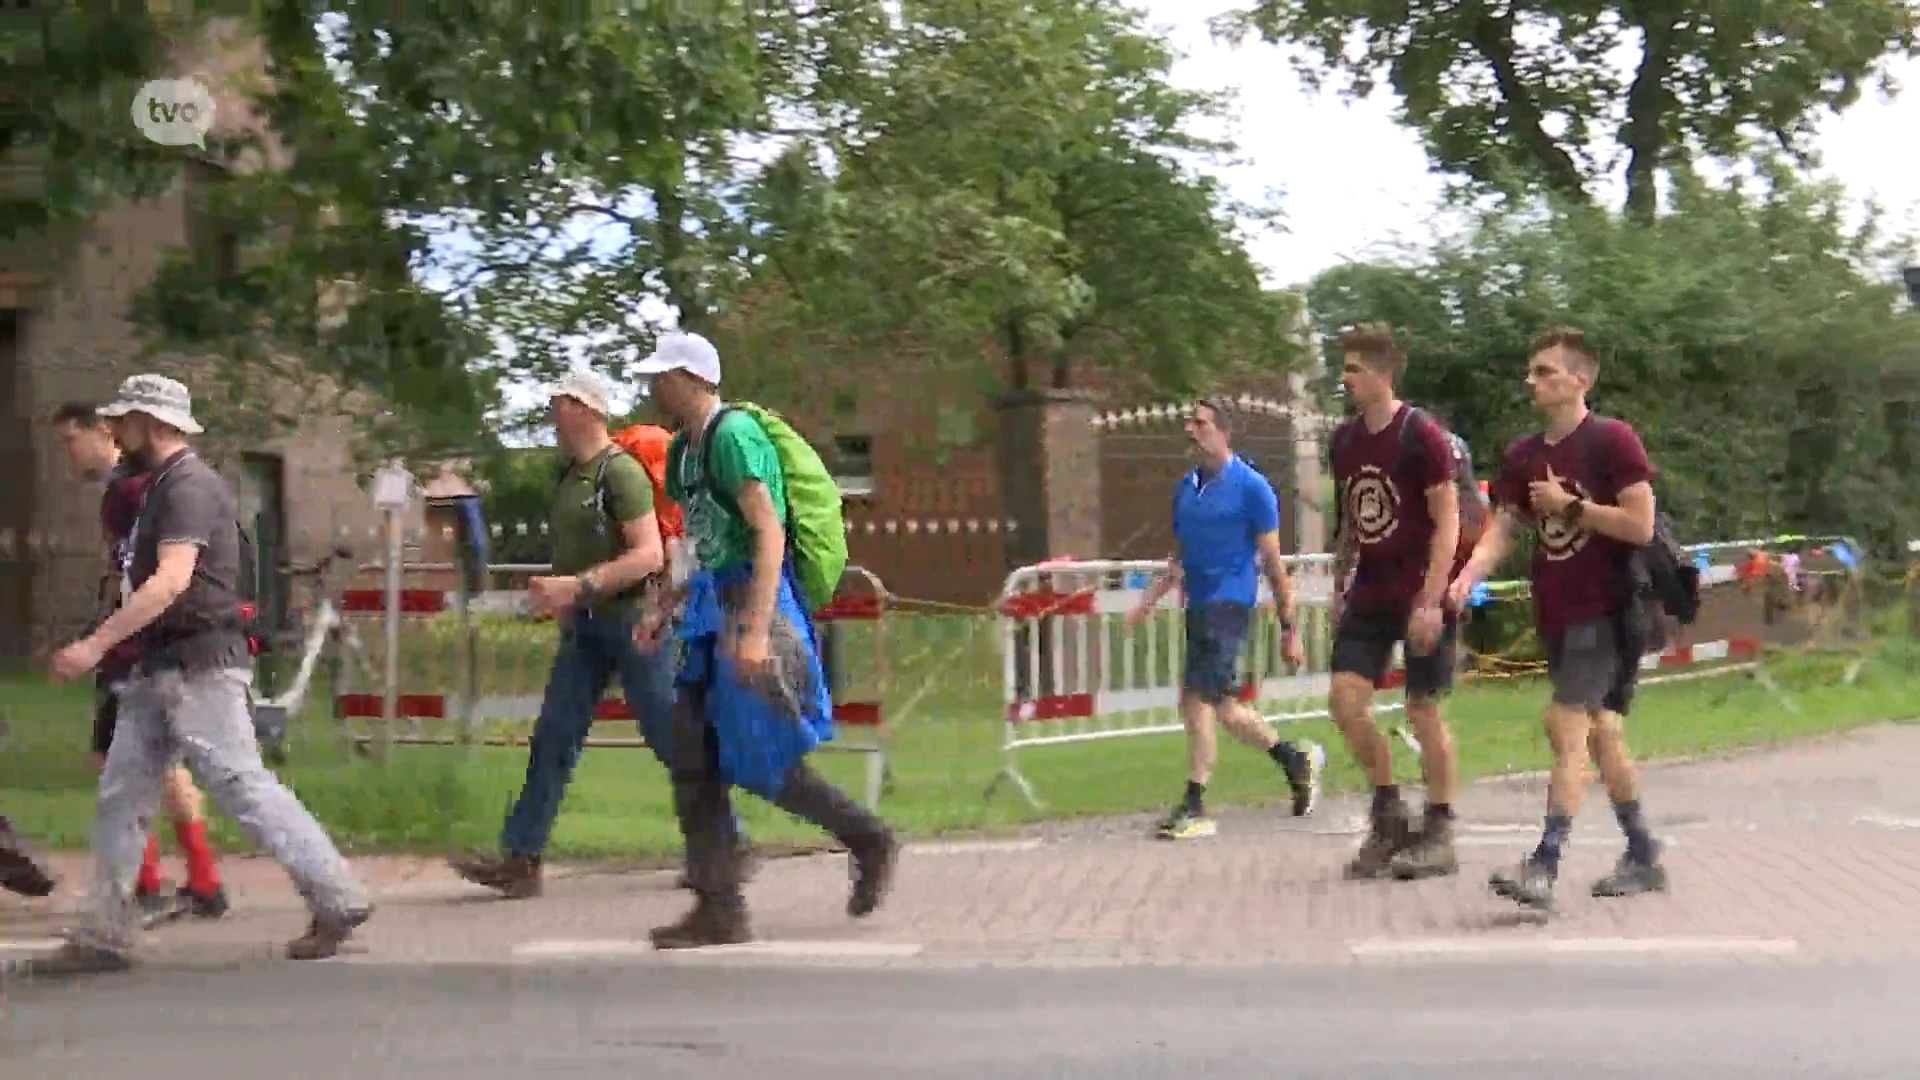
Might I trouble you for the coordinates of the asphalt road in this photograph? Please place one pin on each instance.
(1649, 1021)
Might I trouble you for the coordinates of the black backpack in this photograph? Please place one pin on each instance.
(1660, 576)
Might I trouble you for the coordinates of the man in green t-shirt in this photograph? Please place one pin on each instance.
(606, 552)
(752, 696)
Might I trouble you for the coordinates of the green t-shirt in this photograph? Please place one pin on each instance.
(740, 452)
(583, 535)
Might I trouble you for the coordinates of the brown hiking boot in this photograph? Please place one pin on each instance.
(1390, 834)
(1430, 854)
(711, 922)
(325, 934)
(872, 870)
(514, 877)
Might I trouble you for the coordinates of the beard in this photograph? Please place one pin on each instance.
(142, 460)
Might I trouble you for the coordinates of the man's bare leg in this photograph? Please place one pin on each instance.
(1639, 869)
(1189, 820)
(1301, 764)
(1531, 885)
(1351, 702)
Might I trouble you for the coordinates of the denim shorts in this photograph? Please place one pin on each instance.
(1216, 630)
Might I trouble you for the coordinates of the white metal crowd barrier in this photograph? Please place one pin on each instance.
(1074, 671)
(862, 598)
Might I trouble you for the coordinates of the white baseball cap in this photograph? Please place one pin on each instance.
(586, 388)
(690, 353)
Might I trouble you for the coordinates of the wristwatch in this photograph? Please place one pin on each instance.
(1576, 508)
(589, 588)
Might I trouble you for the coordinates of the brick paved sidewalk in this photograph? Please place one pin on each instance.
(1807, 846)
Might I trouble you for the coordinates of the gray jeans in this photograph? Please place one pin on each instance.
(201, 718)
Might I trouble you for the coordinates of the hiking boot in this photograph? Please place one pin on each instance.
(1186, 823)
(746, 864)
(1303, 776)
(211, 905)
(1389, 834)
(514, 877)
(75, 957)
(326, 933)
(19, 873)
(1530, 884)
(1631, 877)
(711, 922)
(160, 906)
(872, 868)
(1430, 854)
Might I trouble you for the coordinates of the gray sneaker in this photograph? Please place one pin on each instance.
(1631, 878)
(1529, 884)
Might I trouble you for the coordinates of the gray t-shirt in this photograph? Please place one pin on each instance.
(187, 502)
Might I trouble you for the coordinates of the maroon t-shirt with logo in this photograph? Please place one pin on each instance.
(1578, 574)
(120, 507)
(1383, 486)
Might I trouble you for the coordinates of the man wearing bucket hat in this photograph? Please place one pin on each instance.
(188, 695)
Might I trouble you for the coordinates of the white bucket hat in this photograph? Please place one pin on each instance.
(157, 396)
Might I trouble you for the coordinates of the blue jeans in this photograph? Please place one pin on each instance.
(593, 651)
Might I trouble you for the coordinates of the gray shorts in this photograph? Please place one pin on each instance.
(1595, 665)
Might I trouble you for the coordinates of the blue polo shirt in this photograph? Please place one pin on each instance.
(1217, 525)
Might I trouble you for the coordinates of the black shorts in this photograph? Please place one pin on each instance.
(1363, 645)
(1216, 630)
(106, 710)
(1595, 665)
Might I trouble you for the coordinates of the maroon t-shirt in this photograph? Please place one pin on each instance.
(120, 507)
(1383, 490)
(1578, 574)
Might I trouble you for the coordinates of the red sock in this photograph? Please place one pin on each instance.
(202, 878)
(148, 880)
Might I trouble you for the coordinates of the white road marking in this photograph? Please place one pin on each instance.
(975, 847)
(1496, 949)
(630, 950)
(1884, 821)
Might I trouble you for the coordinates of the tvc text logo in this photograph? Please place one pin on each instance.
(174, 112)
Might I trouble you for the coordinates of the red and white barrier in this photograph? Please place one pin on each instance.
(864, 714)
(1075, 672)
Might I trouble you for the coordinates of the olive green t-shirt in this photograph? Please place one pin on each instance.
(588, 531)
(741, 451)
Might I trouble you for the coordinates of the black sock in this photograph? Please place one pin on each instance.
(1195, 792)
(1439, 811)
(1285, 754)
(1385, 796)
(1639, 840)
(1552, 839)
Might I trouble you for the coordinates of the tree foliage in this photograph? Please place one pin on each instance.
(1749, 334)
(1537, 86)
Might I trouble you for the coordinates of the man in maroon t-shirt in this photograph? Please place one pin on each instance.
(1399, 534)
(92, 455)
(1585, 486)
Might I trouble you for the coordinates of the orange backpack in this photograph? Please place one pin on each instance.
(648, 445)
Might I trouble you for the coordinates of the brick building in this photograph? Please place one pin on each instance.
(65, 335)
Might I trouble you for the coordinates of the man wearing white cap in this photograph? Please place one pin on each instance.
(752, 695)
(606, 547)
(188, 695)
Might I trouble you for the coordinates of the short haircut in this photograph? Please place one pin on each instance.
(82, 413)
(1373, 343)
(1574, 341)
(1222, 412)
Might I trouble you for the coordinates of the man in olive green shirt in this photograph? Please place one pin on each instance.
(606, 547)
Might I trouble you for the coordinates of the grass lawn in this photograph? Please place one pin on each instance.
(941, 687)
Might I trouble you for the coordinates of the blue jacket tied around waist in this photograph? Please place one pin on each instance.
(760, 736)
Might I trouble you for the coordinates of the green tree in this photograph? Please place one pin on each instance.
(1748, 334)
(1536, 87)
(1027, 174)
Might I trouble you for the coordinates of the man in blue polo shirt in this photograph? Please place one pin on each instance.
(1226, 529)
